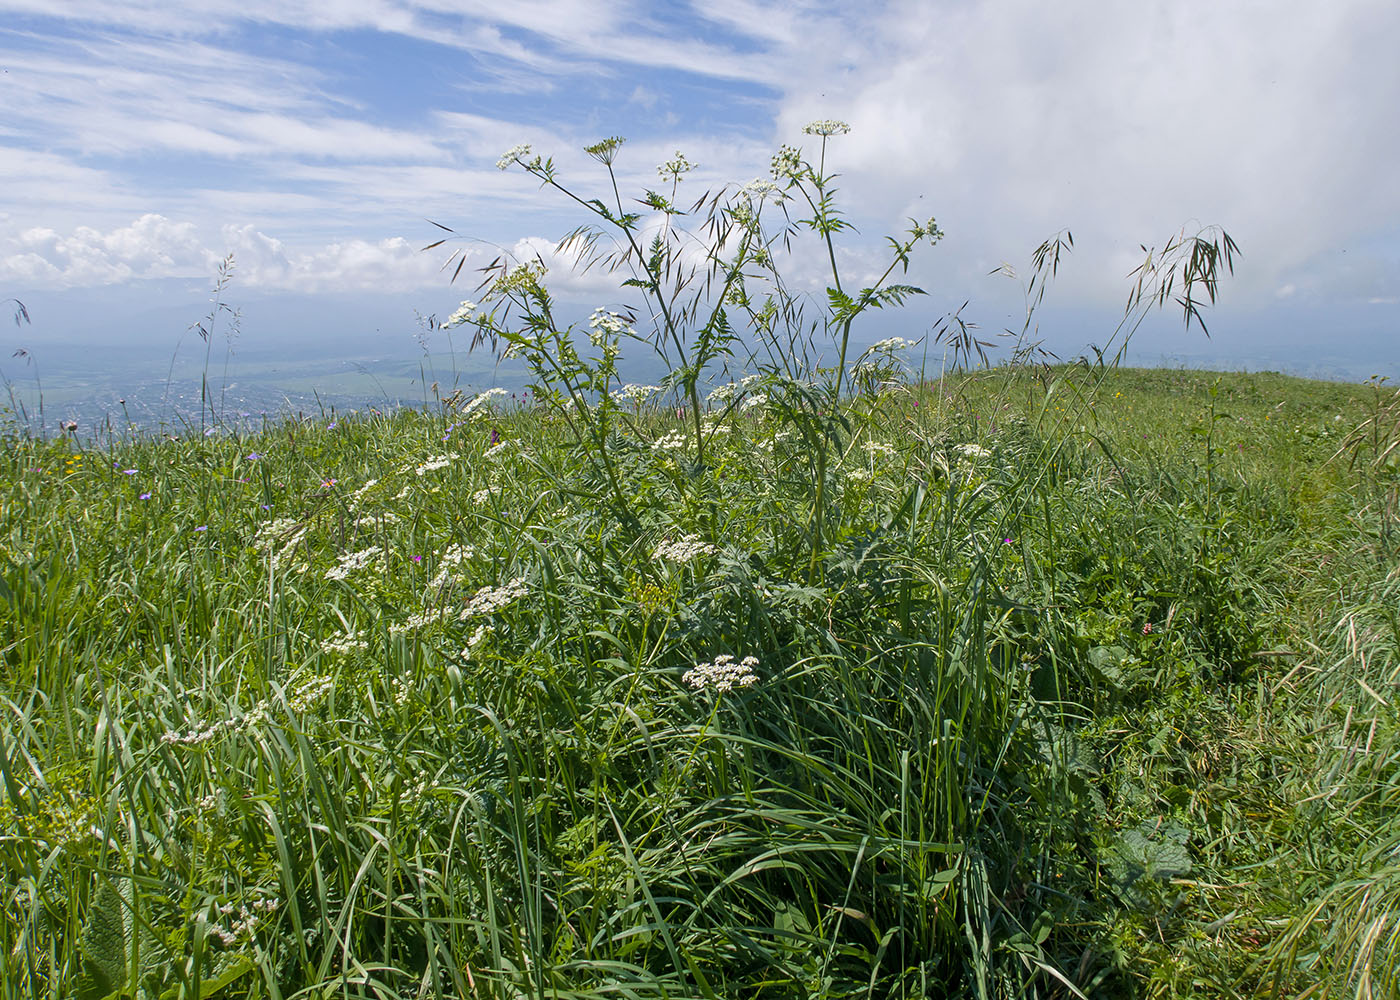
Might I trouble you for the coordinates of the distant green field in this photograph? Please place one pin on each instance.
(1029, 682)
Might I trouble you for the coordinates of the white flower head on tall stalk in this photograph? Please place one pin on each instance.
(516, 153)
(826, 127)
(635, 395)
(927, 230)
(605, 150)
(722, 393)
(889, 346)
(787, 163)
(482, 400)
(758, 189)
(675, 168)
(462, 315)
(604, 323)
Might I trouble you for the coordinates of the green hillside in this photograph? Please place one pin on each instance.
(1032, 682)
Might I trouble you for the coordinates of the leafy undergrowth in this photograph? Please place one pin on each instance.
(1063, 682)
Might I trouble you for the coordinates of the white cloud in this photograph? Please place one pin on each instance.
(151, 247)
(1121, 122)
(155, 247)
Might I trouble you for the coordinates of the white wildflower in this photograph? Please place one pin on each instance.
(489, 600)
(516, 152)
(375, 520)
(723, 674)
(683, 550)
(311, 692)
(448, 559)
(878, 449)
(674, 441)
(435, 462)
(248, 921)
(203, 732)
(605, 325)
(972, 452)
(722, 393)
(414, 622)
(676, 166)
(826, 127)
(483, 496)
(280, 538)
(462, 315)
(353, 562)
(757, 399)
(483, 399)
(759, 189)
(635, 395)
(889, 346)
(479, 636)
(344, 644)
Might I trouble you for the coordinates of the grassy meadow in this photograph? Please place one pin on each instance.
(830, 681)
(1028, 682)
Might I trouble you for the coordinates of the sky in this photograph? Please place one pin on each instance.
(141, 143)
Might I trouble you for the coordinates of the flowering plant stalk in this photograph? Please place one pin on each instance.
(574, 386)
(712, 292)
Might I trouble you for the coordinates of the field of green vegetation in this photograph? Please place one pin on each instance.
(1091, 687)
(832, 680)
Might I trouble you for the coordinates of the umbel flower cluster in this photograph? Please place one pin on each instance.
(683, 549)
(723, 673)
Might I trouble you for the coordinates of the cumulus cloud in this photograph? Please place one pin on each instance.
(151, 247)
(154, 247)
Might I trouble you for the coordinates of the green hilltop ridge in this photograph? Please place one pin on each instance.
(1032, 681)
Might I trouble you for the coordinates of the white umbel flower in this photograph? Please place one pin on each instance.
(516, 152)
(489, 600)
(462, 315)
(723, 673)
(683, 550)
(826, 127)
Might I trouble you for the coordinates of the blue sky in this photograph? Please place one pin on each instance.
(140, 143)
